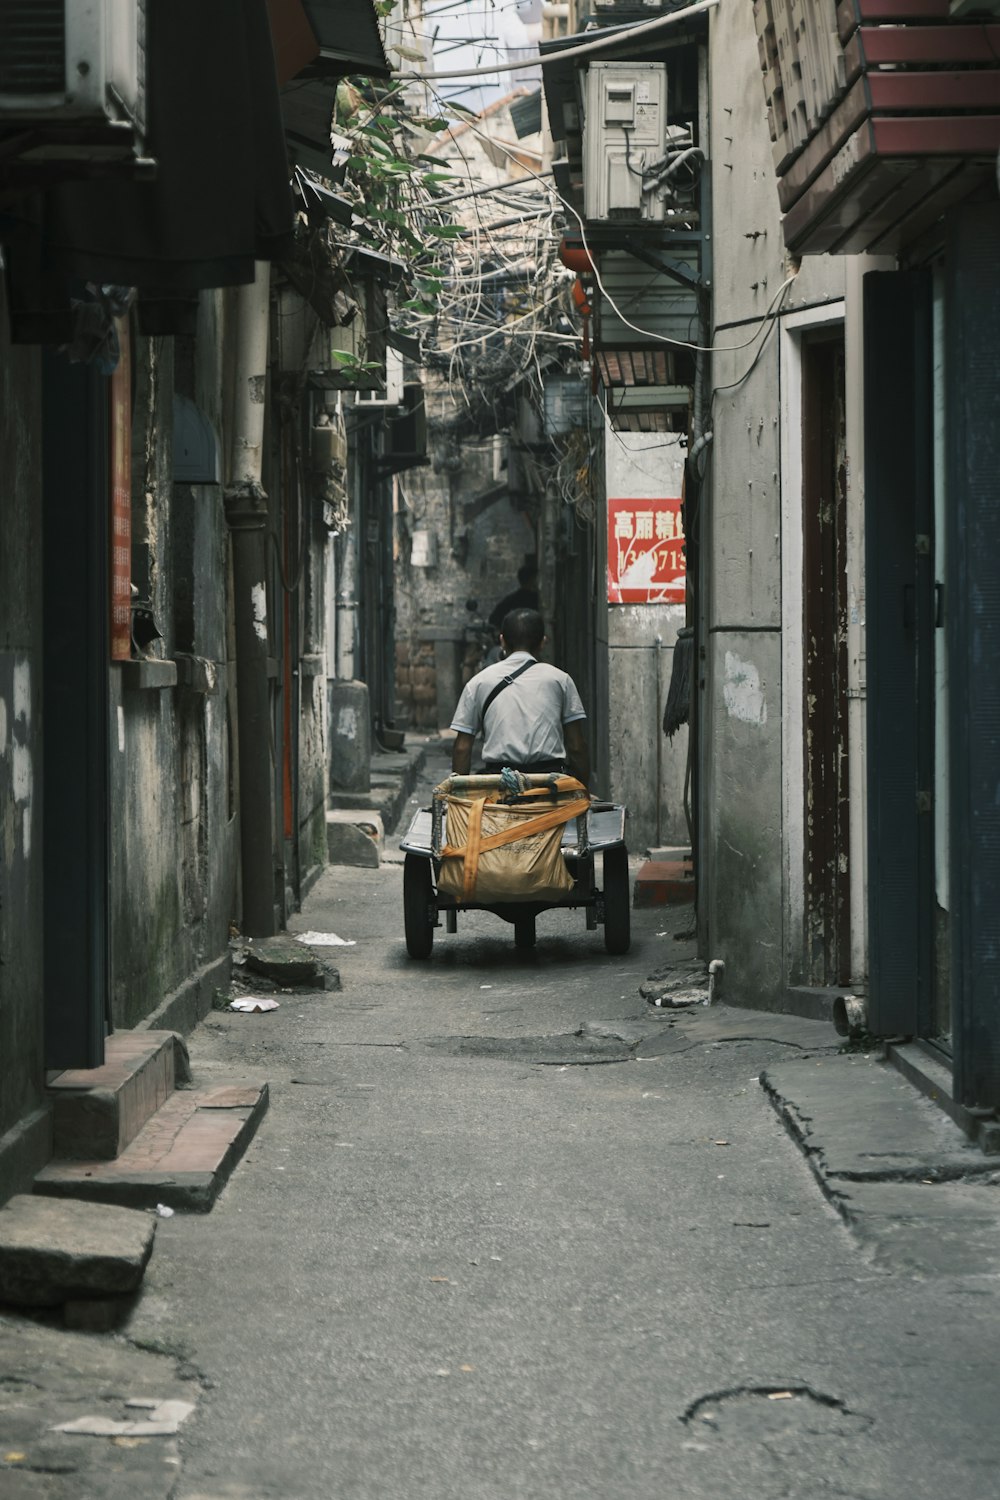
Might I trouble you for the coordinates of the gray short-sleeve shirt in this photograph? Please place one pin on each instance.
(525, 721)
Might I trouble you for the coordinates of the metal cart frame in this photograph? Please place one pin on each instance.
(599, 831)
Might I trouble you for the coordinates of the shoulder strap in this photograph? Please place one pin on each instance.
(506, 682)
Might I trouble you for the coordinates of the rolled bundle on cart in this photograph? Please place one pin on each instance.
(515, 844)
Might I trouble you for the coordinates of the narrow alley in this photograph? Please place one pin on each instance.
(508, 1230)
(590, 404)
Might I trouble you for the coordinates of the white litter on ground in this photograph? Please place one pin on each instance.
(324, 940)
(164, 1420)
(253, 1004)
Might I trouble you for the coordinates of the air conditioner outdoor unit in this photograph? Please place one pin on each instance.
(624, 134)
(74, 65)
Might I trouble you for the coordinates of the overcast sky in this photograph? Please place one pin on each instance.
(473, 33)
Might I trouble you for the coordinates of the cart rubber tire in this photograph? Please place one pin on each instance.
(418, 896)
(617, 901)
(524, 931)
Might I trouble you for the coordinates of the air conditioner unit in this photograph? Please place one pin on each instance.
(624, 134)
(74, 65)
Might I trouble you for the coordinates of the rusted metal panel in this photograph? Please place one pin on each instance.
(850, 203)
(928, 215)
(938, 135)
(903, 212)
(898, 88)
(854, 13)
(295, 43)
(895, 91)
(967, 90)
(807, 219)
(846, 118)
(927, 46)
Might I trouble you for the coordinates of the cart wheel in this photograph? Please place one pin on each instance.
(418, 898)
(524, 930)
(617, 901)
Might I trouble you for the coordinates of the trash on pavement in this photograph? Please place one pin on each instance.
(252, 1004)
(164, 1420)
(324, 940)
(162, 1212)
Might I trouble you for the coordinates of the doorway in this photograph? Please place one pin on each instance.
(76, 751)
(826, 815)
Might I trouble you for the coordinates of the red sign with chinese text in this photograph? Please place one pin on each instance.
(120, 463)
(645, 552)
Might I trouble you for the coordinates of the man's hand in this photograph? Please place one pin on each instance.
(461, 754)
(578, 750)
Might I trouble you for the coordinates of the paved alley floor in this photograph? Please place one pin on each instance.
(507, 1233)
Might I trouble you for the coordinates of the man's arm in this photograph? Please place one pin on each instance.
(578, 750)
(461, 753)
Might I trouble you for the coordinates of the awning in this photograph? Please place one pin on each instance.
(221, 198)
(526, 114)
(326, 39)
(348, 36)
(316, 43)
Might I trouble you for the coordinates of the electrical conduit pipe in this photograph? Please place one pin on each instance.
(247, 518)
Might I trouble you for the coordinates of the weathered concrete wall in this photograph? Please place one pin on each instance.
(749, 262)
(350, 737)
(150, 807)
(746, 790)
(173, 832)
(21, 938)
(479, 541)
(645, 770)
(743, 891)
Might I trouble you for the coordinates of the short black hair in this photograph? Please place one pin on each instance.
(523, 630)
(526, 573)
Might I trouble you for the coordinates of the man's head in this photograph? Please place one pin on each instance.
(527, 575)
(523, 630)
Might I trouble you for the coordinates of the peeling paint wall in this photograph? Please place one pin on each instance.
(479, 541)
(744, 810)
(646, 771)
(173, 833)
(21, 947)
(312, 769)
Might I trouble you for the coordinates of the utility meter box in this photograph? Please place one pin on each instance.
(624, 135)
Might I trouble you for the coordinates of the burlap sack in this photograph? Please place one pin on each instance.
(530, 869)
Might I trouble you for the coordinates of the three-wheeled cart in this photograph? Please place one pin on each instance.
(600, 831)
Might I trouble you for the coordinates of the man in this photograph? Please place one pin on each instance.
(525, 596)
(529, 713)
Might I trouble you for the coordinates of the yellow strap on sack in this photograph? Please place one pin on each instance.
(476, 845)
(472, 848)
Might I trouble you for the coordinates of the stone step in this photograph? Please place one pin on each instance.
(354, 838)
(181, 1158)
(52, 1253)
(96, 1112)
(663, 883)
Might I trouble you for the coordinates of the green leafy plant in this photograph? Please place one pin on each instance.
(392, 188)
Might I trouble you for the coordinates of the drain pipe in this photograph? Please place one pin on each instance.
(657, 648)
(247, 518)
(850, 1016)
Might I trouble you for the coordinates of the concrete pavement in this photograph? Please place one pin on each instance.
(509, 1231)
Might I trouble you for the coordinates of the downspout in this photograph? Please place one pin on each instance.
(247, 518)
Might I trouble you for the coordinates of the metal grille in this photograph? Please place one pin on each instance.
(32, 47)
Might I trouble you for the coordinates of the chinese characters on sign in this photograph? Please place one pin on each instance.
(120, 463)
(645, 552)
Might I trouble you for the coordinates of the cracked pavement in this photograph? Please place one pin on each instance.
(509, 1231)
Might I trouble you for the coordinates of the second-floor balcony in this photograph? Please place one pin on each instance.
(883, 113)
